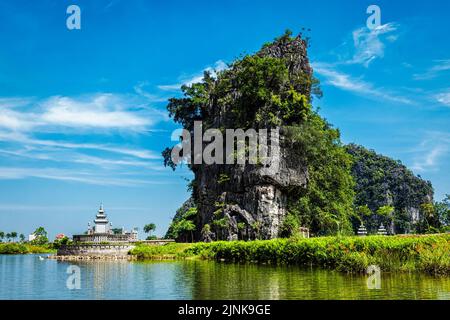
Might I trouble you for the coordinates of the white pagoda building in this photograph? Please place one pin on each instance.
(101, 223)
(102, 231)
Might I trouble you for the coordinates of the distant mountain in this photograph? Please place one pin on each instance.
(382, 181)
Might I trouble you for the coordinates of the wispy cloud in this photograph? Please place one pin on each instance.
(444, 98)
(14, 173)
(108, 163)
(370, 44)
(23, 139)
(195, 78)
(111, 4)
(139, 89)
(430, 151)
(348, 83)
(439, 67)
(99, 111)
(364, 45)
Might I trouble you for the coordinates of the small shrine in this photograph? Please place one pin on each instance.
(382, 230)
(362, 231)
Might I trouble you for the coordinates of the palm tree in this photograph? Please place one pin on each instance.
(149, 228)
(22, 237)
(8, 236)
(2, 236)
(13, 235)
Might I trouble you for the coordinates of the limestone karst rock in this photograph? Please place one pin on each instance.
(311, 184)
(252, 201)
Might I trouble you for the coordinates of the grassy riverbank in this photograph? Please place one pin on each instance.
(429, 254)
(170, 251)
(22, 248)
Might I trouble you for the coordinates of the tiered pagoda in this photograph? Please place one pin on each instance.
(101, 222)
(102, 231)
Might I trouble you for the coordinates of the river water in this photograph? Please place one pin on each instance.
(28, 277)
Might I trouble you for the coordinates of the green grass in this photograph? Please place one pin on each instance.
(22, 248)
(164, 252)
(429, 254)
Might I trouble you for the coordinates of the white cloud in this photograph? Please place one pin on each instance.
(198, 77)
(98, 111)
(444, 98)
(91, 112)
(16, 121)
(439, 67)
(346, 82)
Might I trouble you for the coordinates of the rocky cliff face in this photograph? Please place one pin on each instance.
(250, 201)
(247, 201)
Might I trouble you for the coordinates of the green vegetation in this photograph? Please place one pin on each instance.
(41, 237)
(39, 245)
(269, 95)
(155, 252)
(325, 206)
(387, 192)
(183, 225)
(22, 248)
(427, 254)
(149, 228)
(441, 212)
(60, 242)
(9, 236)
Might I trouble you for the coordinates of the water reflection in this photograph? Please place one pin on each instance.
(26, 277)
(231, 281)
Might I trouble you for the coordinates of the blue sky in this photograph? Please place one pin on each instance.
(82, 112)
